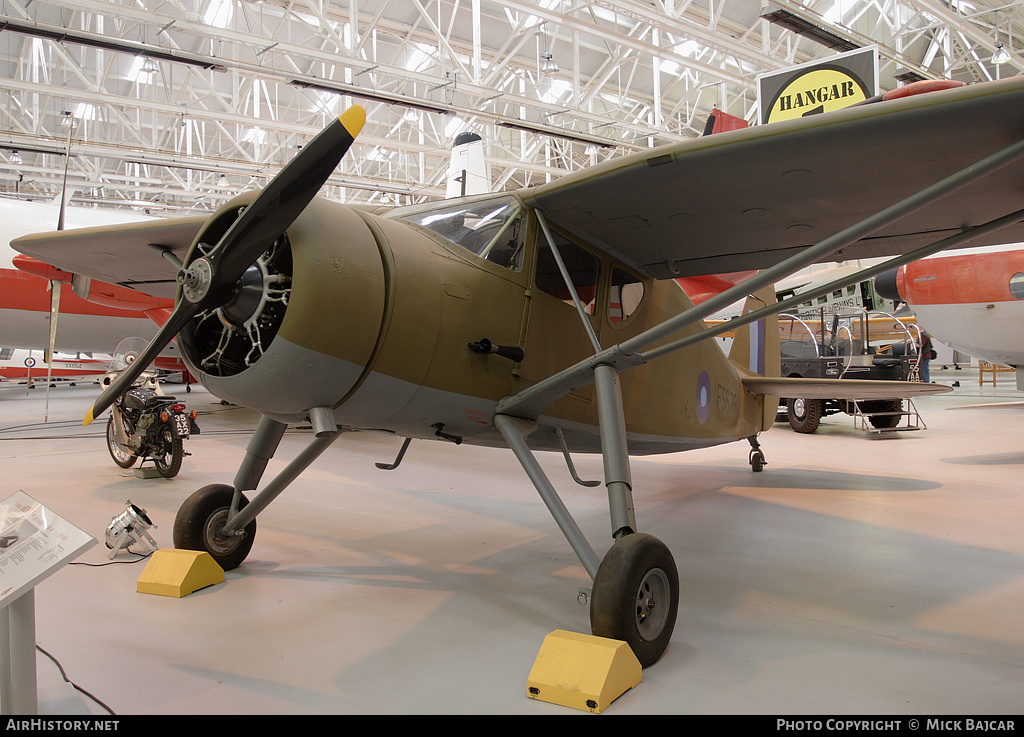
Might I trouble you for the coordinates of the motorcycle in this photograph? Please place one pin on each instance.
(148, 425)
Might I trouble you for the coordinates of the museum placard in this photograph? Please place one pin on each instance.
(34, 543)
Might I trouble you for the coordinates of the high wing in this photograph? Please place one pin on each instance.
(128, 254)
(735, 201)
(746, 199)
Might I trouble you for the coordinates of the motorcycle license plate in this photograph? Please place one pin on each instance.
(181, 425)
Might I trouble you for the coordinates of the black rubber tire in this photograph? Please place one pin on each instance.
(118, 455)
(804, 414)
(168, 464)
(884, 422)
(199, 518)
(757, 461)
(635, 597)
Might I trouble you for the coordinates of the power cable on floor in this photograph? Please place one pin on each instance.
(73, 684)
(56, 662)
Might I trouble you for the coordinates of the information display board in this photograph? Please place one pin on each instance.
(34, 543)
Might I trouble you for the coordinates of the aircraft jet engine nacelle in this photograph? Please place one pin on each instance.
(307, 322)
(971, 301)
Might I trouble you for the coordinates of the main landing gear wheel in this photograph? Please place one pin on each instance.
(201, 519)
(121, 457)
(636, 596)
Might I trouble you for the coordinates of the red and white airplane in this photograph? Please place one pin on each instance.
(972, 300)
(95, 316)
(94, 322)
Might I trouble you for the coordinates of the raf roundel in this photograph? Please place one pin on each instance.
(703, 397)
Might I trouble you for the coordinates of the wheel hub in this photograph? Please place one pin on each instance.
(650, 619)
(213, 533)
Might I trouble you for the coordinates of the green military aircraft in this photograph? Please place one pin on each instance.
(550, 318)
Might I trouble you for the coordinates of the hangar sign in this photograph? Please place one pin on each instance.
(819, 87)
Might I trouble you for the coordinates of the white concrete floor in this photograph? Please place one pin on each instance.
(857, 574)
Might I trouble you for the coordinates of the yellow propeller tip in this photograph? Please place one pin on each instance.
(88, 417)
(353, 119)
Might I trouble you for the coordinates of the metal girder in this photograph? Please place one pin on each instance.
(222, 88)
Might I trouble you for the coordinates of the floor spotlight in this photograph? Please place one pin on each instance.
(129, 528)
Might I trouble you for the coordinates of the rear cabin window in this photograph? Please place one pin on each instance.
(625, 297)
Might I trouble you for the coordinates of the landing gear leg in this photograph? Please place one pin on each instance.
(635, 596)
(636, 589)
(220, 519)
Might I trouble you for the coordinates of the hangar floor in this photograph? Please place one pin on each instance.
(858, 574)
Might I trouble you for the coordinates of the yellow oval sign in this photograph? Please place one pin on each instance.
(816, 91)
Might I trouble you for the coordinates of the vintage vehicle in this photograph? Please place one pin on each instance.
(147, 425)
(850, 344)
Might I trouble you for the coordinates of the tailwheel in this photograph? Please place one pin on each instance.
(201, 520)
(756, 458)
(636, 596)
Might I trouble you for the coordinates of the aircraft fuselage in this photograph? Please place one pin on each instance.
(382, 311)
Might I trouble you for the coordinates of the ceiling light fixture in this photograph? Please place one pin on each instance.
(548, 64)
(1001, 56)
(807, 29)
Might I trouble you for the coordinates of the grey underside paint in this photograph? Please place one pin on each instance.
(288, 380)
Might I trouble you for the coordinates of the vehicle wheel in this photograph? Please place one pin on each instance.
(168, 463)
(804, 414)
(200, 519)
(123, 458)
(885, 422)
(636, 596)
(757, 461)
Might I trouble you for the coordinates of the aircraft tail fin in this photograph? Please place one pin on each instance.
(467, 169)
(755, 347)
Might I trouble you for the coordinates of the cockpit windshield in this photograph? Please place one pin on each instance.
(492, 228)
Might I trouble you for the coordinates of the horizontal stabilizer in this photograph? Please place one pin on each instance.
(839, 388)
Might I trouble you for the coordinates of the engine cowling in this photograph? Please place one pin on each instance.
(301, 326)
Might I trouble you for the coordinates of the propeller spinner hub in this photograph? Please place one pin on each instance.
(195, 280)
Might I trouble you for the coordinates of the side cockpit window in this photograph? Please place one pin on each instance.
(493, 229)
(582, 266)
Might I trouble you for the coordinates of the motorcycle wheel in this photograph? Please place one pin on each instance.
(168, 463)
(123, 458)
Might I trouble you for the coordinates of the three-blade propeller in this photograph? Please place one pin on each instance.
(209, 279)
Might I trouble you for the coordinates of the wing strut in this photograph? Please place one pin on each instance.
(515, 432)
(953, 241)
(530, 402)
(568, 283)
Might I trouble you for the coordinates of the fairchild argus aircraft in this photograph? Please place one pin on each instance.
(550, 318)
